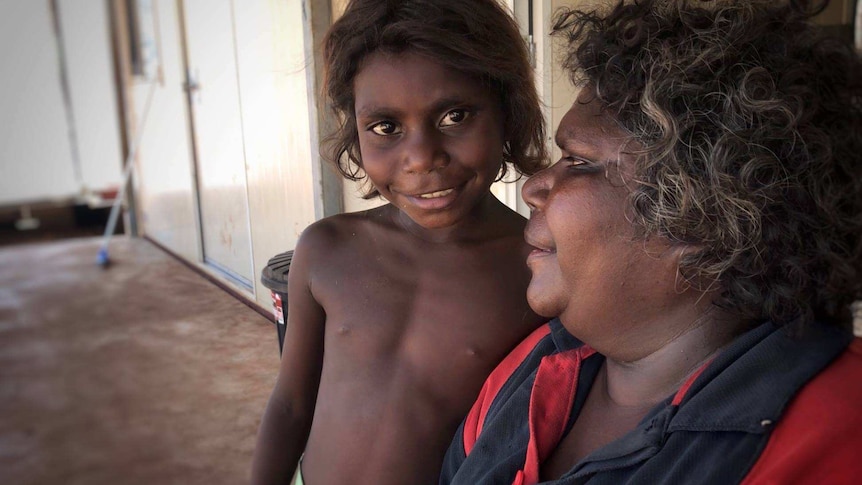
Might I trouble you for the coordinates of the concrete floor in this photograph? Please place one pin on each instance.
(142, 373)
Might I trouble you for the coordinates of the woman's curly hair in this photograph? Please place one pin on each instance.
(474, 37)
(750, 123)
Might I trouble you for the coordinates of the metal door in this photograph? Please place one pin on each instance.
(218, 138)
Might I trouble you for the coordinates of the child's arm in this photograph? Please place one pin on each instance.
(287, 419)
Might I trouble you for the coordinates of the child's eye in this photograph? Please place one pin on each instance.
(453, 117)
(384, 128)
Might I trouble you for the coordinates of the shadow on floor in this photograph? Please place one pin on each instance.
(142, 373)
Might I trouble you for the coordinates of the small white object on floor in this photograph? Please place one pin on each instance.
(27, 222)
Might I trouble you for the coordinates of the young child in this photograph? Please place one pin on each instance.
(398, 314)
(701, 242)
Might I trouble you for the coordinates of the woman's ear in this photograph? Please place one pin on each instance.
(681, 253)
(687, 257)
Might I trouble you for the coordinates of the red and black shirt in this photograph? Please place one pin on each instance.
(771, 408)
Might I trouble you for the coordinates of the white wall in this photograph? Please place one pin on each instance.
(277, 98)
(87, 40)
(36, 155)
(164, 168)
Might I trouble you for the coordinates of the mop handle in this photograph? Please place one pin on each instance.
(127, 173)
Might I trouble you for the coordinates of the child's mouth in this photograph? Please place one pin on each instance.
(434, 195)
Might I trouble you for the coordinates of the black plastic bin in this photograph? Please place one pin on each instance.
(274, 277)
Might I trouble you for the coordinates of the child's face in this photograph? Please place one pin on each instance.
(431, 138)
(590, 268)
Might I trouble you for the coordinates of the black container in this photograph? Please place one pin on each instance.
(274, 277)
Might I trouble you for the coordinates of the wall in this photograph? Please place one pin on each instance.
(164, 168)
(838, 12)
(275, 78)
(277, 93)
(86, 36)
(37, 159)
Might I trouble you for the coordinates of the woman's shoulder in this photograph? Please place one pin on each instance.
(836, 392)
(819, 436)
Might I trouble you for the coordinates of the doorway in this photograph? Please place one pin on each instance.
(217, 132)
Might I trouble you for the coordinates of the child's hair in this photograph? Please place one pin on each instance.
(750, 123)
(474, 37)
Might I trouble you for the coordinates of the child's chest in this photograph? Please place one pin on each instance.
(424, 310)
(404, 300)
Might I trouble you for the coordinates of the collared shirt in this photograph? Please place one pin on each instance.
(713, 430)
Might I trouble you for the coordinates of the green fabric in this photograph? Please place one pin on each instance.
(297, 477)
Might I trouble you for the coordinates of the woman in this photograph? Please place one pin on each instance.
(700, 241)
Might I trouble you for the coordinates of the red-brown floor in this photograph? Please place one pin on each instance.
(142, 373)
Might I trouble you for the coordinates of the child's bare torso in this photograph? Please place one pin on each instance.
(412, 330)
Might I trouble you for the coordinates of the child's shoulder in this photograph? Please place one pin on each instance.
(335, 230)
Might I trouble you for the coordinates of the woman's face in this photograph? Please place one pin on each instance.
(610, 288)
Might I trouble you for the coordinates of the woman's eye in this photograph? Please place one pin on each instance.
(575, 161)
(384, 128)
(453, 117)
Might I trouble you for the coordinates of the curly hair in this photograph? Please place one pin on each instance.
(749, 125)
(476, 37)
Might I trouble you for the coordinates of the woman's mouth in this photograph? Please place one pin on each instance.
(542, 252)
(538, 254)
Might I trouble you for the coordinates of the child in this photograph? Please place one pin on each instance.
(397, 314)
(701, 242)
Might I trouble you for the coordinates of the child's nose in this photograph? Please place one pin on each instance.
(536, 189)
(424, 152)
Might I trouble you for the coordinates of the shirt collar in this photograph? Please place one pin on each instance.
(563, 340)
(748, 385)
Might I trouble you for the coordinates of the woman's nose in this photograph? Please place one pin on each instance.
(536, 188)
(424, 152)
